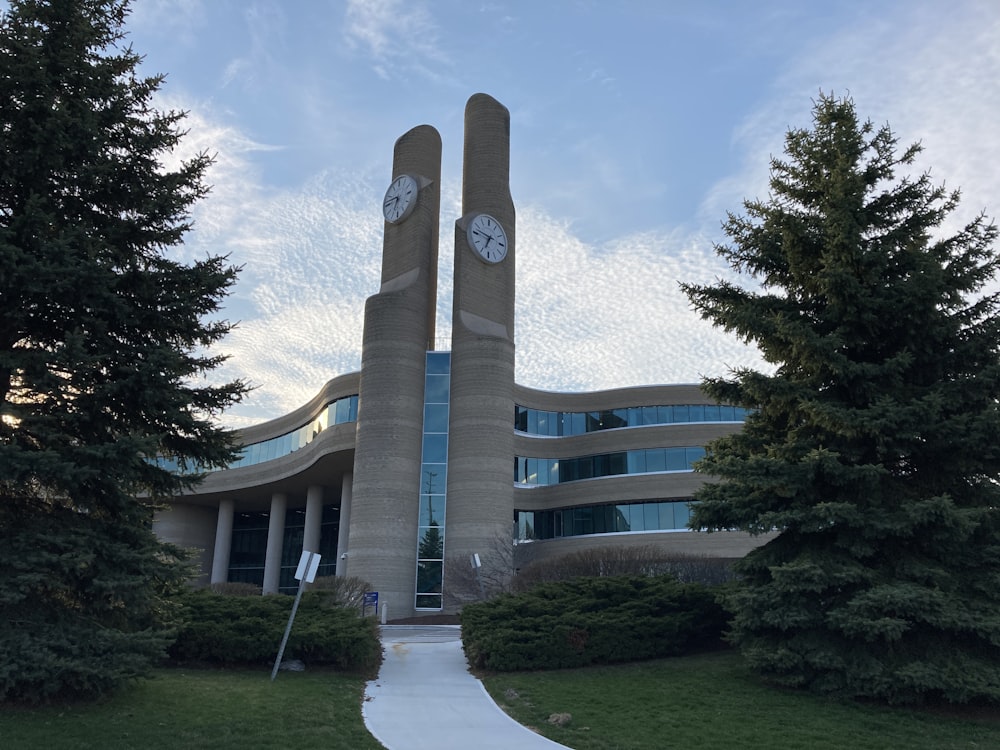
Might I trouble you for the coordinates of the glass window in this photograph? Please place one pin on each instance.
(682, 515)
(656, 459)
(430, 543)
(438, 363)
(681, 414)
(436, 389)
(637, 462)
(650, 415)
(428, 601)
(553, 476)
(436, 418)
(618, 463)
(435, 449)
(525, 524)
(622, 514)
(578, 423)
(696, 413)
(692, 454)
(651, 516)
(431, 510)
(676, 460)
(432, 478)
(531, 476)
(713, 413)
(583, 521)
(520, 419)
(429, 576)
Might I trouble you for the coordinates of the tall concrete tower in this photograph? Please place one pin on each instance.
(398, 332)
(481, 438)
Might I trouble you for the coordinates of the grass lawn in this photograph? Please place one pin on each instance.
(711, 701)
(222, 710)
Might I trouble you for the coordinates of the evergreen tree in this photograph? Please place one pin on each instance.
(103, 340)
(873, 450)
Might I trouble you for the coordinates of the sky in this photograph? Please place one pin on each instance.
(635, 127)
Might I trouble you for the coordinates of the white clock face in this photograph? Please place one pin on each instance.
(400, 199)
(487, 238)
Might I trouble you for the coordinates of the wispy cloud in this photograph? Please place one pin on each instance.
(400, 37)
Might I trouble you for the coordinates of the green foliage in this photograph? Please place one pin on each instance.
(874, 447)
(238, 630)
(591, 621)
(103, 349)
(84, 601)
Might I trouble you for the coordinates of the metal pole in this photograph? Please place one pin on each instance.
(288, 628)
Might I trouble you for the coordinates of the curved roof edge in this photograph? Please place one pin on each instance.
(339, 387)
(614, 398)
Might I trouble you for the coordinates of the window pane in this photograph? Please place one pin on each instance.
(429, 576)
(656, 459)
(636, 462)
(431, 510)
(428, 601)
(520, 418)
(651, 516)
(617, 463)
(430, 543)
(713, 413)
(435, 449)
(436, 418)
(682, 514)
(433, 478)
(438, 363)
(676, 460)
(681, 414)
(694, 453)
(621, 518)
(436, 389)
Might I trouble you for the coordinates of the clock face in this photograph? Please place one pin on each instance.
(487, 238)
(400, 199)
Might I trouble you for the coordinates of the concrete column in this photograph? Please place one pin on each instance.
(275, 536)
(346, 494)
(223, 541)
(314, 518)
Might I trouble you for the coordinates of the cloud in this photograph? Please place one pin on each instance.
(612, 316)
(399, 36)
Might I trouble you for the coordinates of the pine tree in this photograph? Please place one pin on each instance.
(873, 450)
(103, 351)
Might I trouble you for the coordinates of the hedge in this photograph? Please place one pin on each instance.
(243, 630)
(591, 621)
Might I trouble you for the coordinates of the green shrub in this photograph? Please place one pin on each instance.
(591, 621)
(240, 630)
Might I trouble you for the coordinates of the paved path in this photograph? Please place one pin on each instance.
(425, 698)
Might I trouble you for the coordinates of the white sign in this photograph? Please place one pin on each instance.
(308, 565)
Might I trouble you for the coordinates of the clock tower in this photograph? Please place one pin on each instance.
(398, 332)
(481, 439)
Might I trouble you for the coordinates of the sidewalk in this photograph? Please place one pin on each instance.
(425, 698)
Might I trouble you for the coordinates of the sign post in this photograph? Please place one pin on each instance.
(305, 573)
(370, 599)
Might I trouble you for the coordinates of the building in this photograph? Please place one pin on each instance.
(425, 456)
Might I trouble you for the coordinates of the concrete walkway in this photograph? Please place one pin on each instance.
(425, 698)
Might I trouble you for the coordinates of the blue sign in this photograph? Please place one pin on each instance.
(371, 599)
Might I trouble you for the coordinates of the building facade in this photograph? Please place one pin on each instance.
(428, 457)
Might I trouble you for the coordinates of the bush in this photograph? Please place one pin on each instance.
(591, 621)
(342, 591)
(240, 630)
(614, 560)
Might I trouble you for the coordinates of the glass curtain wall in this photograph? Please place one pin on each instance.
(433, 481)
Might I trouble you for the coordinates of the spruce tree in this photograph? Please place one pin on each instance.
(104, 339)
(873, 449)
